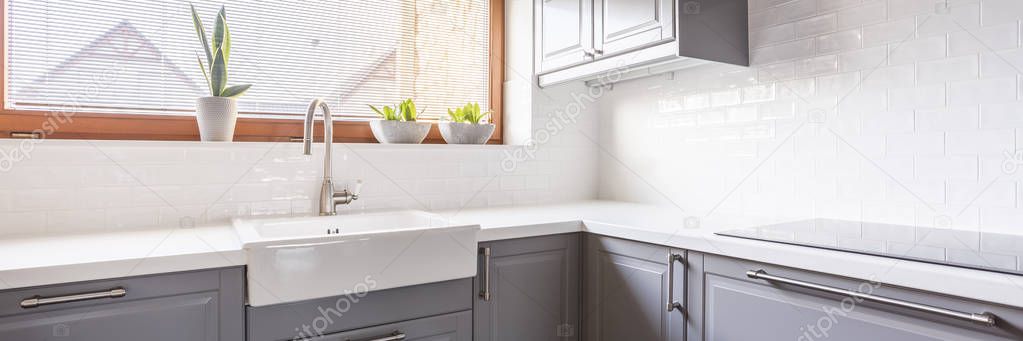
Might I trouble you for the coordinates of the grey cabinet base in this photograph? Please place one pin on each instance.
(325, 316)
(203, 305)
(449, 327)
(736, 307)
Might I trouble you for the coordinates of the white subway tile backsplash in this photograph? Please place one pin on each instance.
(948, 119)
(987, 39)
(922, 101)
(956, 17)
(816, 66)
(782, 52)
(993, 141)
(1001, 115)
(996, 90)
(902, 8)
(923, 143)
(772, 35)
(889, 32)
(815, 26)
(920, 97)
(864, 59)
(917, 50)
(1001, 11)
(840, 41)
(951, 69)
(899, 76)
(869, 13)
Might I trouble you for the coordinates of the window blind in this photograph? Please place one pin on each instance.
(139, 56)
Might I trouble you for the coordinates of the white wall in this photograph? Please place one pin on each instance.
(61, 186)
(895, 111)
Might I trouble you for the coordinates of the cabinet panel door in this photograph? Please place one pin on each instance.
(626, 292)
(534, 290)
(564, 33)
(738, 308)
(450, 327)
(622, 25)
(174, 318)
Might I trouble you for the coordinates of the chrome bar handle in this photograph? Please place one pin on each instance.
(37, 301)
(396, 336)
(672, 304)
(485, 292)
(986, 319)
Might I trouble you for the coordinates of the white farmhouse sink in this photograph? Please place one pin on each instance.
(294, 259)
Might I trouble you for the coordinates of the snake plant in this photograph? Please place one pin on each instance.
(218, 51)
(403, 111)
(470, 113)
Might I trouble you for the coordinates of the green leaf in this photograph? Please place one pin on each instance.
(226, 43)
(204, 73)
(201, 32)
(218, 33)
(218, 74)
(235, 91)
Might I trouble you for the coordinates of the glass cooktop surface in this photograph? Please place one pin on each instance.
(962, 248)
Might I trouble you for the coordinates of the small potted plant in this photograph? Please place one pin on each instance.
(398, 124)
(467, 126)
(217, 113)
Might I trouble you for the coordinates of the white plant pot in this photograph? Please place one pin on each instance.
(465, 133)
(400, 131)
(216, 117)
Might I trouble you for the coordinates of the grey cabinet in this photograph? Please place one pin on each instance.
(356, 315)
(622, 25)
(611, 40)
(449, 327)
(736, 307)
(627, 289)
(202, 306)
(564, 33)
(533, 288)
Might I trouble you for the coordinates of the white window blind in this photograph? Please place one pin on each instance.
(139, 56)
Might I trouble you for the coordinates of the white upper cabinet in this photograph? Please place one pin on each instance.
(564, 33)
(623, 25)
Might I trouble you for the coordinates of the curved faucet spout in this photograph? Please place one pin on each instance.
(328, 134)
(329, 199)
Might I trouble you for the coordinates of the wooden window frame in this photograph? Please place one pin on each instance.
(105, 126)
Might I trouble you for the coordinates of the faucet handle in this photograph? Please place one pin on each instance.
(358, 189)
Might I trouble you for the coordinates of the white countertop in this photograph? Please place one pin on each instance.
(43, 260)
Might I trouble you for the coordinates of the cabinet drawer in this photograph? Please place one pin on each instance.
(200, 305)
(450, 327)
(336, 314)
(738, 307)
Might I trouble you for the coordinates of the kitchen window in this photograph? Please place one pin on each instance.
(127, 69)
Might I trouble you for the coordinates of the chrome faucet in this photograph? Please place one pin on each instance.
(329, 198)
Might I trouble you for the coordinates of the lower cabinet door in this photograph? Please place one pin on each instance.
(739, 308)
(172, 318)
(532, 286)
(450, 327)
(627, 289)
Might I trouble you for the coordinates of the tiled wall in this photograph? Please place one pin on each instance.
(901, 111)
(73, 186)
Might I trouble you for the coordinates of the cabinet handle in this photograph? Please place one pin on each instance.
(672, 304)
(395, 336)
(986, 319)
(485, 292)
(37, 301)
